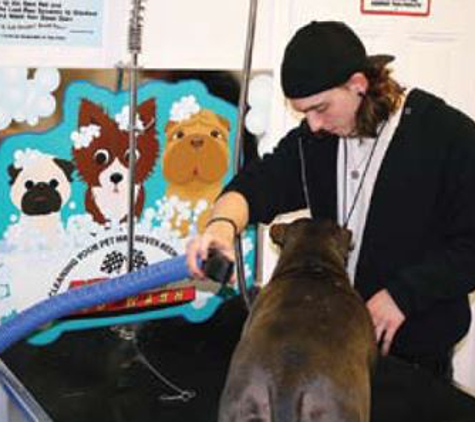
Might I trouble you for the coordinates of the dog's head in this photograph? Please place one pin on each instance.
(320, 238)
(101, 145)
(197, 148)
(40, 185)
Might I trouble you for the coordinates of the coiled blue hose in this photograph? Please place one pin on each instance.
(118, 288)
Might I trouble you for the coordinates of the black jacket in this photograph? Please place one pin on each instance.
(419, 238)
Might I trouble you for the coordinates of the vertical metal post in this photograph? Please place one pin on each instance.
(238, 144)
(246, 76)
(135, 47)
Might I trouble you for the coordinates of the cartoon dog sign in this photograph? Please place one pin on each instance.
(65, 196)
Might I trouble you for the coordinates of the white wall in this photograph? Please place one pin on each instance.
(205, 34)
(179, 34)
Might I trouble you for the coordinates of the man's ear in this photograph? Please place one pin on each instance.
(277, 233)
(358, 83)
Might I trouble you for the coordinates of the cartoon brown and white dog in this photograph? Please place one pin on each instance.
(101, 153)
(195, 161)
(40, 186)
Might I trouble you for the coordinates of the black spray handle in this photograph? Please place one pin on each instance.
(217, 267)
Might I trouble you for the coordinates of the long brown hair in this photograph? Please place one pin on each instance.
(382, 98)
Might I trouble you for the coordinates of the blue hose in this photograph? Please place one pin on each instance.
(118, 288)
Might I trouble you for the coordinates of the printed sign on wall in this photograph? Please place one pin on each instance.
(396, 7)
(51, 22)
(64, 194)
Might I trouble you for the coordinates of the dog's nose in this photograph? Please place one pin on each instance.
(116, 178)
(197, 142)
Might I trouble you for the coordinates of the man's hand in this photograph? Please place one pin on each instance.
(387, 318)
(219, 235)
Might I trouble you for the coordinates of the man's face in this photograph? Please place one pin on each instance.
(333, 111)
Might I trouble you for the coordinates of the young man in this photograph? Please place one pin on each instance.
(396, 167)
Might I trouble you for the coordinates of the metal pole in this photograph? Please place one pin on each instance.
(135, 48)
(238, 144)
(246, 76)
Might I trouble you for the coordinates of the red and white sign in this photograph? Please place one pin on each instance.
(396, 7)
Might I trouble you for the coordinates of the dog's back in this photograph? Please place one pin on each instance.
(307, 347)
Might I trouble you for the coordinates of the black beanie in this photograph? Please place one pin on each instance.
(321, 56)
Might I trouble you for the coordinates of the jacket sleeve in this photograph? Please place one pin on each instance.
(447, 269)
(272, 185)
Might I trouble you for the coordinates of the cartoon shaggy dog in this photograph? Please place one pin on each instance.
(195, 161)
(101, 154)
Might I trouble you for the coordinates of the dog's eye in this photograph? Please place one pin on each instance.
(29, 184)
(178, 135)
(216, 134)
(101, 156)
(53, 183)
(137, 155)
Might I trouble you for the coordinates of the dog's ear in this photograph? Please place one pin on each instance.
(344, 241)
(171, 126)
(13, 172)
(224, 122)
(90, 113)
(146, 112)
(277, 233)
(67, 167)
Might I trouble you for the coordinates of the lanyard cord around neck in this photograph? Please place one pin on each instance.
(303, 176)
(347, 215)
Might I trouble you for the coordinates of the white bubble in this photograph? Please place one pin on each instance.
(46, 105)
(202, 299)
(47, 79)
(247, 245)
(201, 205)
(13, 218)
(32, 120)
(149, 214)
(256, 121)
(184, 108)
(5, 118)
(123, 118)
(260, 91)
(28, 156)
(14, 96)
(19, 116)
(72, 205)
(10, 76)
(85, 135)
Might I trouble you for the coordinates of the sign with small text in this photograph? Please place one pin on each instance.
(396, 7)
(51, 22)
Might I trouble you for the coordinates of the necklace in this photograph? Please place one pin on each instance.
(348, 212)
(356, 164)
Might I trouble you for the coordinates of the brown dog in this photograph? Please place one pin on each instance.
(308, 345)
(195, 161)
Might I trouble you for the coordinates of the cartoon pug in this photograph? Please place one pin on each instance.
(195, 161)
(40, 186)
(101, 154)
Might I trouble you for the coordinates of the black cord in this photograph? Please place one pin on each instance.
(349, 214)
